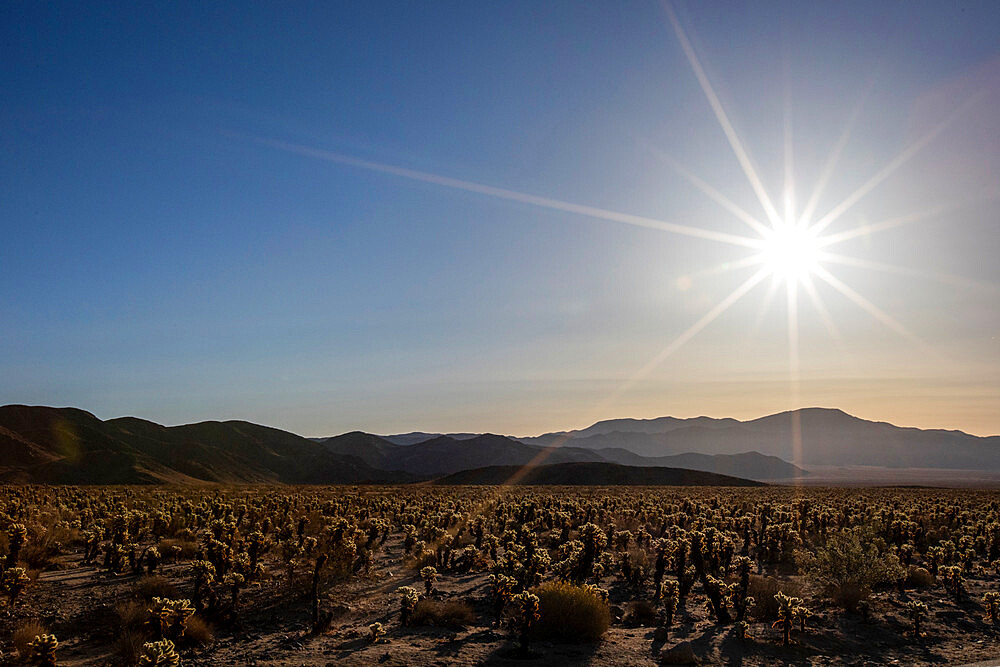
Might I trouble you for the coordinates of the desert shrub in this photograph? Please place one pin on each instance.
(451, 614)
(23, 636)
(129, 646)
(155, 586)
(40, 555)
(132, 614)
(763, 590)
(919, 577)
(185, 549)
(198, 631)
(570, 613)
(850, 565)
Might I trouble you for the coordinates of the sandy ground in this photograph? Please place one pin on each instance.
(77, 603)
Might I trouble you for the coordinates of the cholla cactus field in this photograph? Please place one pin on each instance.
(417, 575)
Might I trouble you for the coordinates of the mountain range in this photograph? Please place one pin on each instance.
(67, 445)
(829, 437)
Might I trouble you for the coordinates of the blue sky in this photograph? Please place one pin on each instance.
(163, 258)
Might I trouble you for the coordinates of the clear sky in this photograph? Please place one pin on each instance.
(274, 211)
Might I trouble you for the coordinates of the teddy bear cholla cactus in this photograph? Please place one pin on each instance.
(917, 611)
(501, 592)
(527, 614)
(13, 582)
(992, 602)
(429, 574)
(159, 654)
(787, 612)
(42, 651)
(17, 535)
(408, 598)
(171, 616)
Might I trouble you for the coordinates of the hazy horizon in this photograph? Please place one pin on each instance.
(518, 218)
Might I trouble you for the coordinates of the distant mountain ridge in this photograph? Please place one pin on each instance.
(829, 437)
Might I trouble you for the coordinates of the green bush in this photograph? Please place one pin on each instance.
(850, 565)
(570, 613)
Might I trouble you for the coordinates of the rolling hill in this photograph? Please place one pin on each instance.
(591, 474)
(71, 446)
(442, 455)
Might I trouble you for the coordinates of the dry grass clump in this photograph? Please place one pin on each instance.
(129, 646)
(763, 590)
(197, 632)
(452, 614)
(40, 555)
(155, 586)
(23, 636)
(132, 615)
(186, 549)
(570, 613)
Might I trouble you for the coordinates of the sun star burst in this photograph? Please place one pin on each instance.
(791, 253)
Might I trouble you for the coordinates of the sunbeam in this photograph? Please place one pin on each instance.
(788, 196)
(720, 115)
(825, 318)
(946, 278)
(867, 305)
(765, 306)
(894, 164)
(902, 220)
(511, 195)
(794, 377)
(717, 196)
(834, 157)
(725, 267)
(690, 333)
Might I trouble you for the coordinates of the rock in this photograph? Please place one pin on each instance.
(661, 634)
(679, 654)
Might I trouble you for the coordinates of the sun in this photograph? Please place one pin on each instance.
(790, 252)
